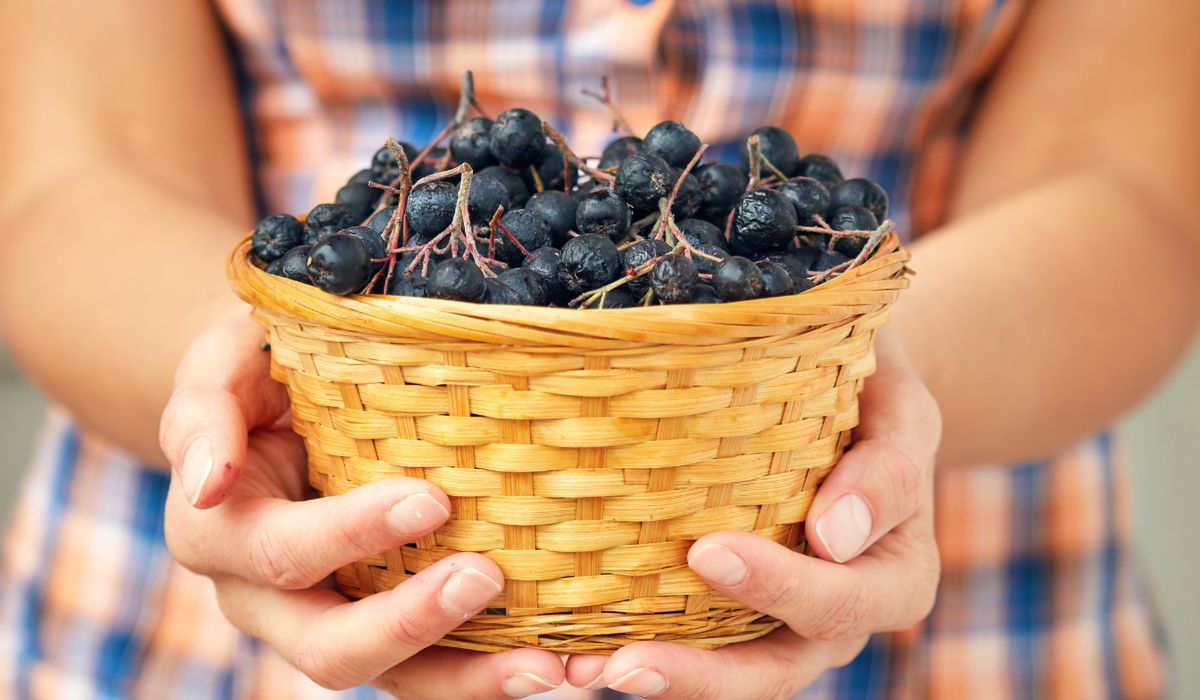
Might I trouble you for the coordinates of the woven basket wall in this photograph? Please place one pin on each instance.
(583, 451)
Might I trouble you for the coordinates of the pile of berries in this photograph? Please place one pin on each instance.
(507, 213)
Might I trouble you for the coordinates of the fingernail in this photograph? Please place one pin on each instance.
(522, 685)
(197, 465)
(845, 527)
(596, 684)
(718, 564)
(466, 591)
(416, 513)
(645, 682)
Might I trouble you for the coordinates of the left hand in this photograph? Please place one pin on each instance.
(871, 524)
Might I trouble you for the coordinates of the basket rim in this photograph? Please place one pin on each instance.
(873, 284)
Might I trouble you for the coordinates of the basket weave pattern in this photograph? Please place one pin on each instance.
(583, 451)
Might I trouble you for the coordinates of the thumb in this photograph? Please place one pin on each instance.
(223, 390)
(887, 475)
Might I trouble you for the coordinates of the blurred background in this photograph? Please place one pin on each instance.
(1162, 437)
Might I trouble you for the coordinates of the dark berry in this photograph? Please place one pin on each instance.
(619, 150)
(516, 138)
(379, 220)
(339, 264)
(720, 186)
(518, 193)
(376, 246)
(777, 146)
(431, 207)
(821, 168)
(706, 266)
(642, 180)
(637, 255)
(384, 167)
(550, 169)
(528, 228)
(471, 143)
(602, 211)
(674, 278)
(699, 232)
(808, 196)
(852, 219)
(363, 177)
(359, 199)
(276, 235)
(687, 197)
(587, 262)
(529, 287)
(430, 166)
(776, 280)
(619, 298)
(557, 208)
(486, 195)
(804, 255)
(737, 279)
(292, 265)
(543, 261)
(764, 220)
(860, 192)
(583, 190)
(325, 220)
(495, 292)
(794, 266)
(826, 260)
(672, 142)
(705, 294)
(456, 279)
(406, 285)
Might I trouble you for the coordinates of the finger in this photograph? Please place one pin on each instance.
(293, 545)
(887, 476)
(340, 644)
(222, 391)
(818, 599)
(776, 666)
(438, 673)
(586, 671)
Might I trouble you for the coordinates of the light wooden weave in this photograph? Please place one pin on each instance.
(583, 450)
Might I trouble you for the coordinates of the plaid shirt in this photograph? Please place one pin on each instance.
(1040, 595)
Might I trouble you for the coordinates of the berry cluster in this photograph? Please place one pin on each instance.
(507, 213)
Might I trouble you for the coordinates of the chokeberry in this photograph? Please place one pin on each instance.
(583, 190)
(496, 292)
(529, 287)
(530, 230)
(794, 266)
(699, 232)
(544, 262)
(551, 168)
(456, 279)
(642, 180)
(359, 199)
(720, 186)
(471, 143)
(805, 256)
(808, 196)
(776, 280)
(293, 264)
(706, 266)
(819, 167)
(557, 208)
(276, 235)
(860, 192)
(764, 220)
(362, 177)
(429, 165)
(619, 150)
(339, 264)
(384, 167)
(487, 194)
(852, 219)
(637, 255)
(379, 220)
(618, 298)
(738, 279)
(705, 294)
(376, 246)
(407, 285)
(604, 212)
(588, 261)
(687, 197)
(325, 220)
(777, 146)
(516, 138)
(672, 142)
(827, 259)
(518, 193)
(431, 207)
(674, 278)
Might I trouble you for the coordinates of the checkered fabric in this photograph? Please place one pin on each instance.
(1040, 596)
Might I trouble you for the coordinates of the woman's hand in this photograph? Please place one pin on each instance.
(236, 513)
(874, 512)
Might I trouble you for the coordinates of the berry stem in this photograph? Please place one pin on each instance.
(868, 248)
(561, 142)
(397, 226)
(605, 98)
(585, 299)
(537, 179)
(513, 238)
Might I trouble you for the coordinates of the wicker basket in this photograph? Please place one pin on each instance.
(583, 451)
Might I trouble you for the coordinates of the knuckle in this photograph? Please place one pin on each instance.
(410, 629)
(845, 617)
(908, 479)
(277, 563)
(320, 669)
(777, 592)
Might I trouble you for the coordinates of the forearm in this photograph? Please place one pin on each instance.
(102, 288)
(1042, 317)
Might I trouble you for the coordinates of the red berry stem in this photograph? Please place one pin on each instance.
(585, 299)
(397, 226)
(605, 98)
(561, 142)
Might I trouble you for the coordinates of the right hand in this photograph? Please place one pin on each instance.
(236, 513)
